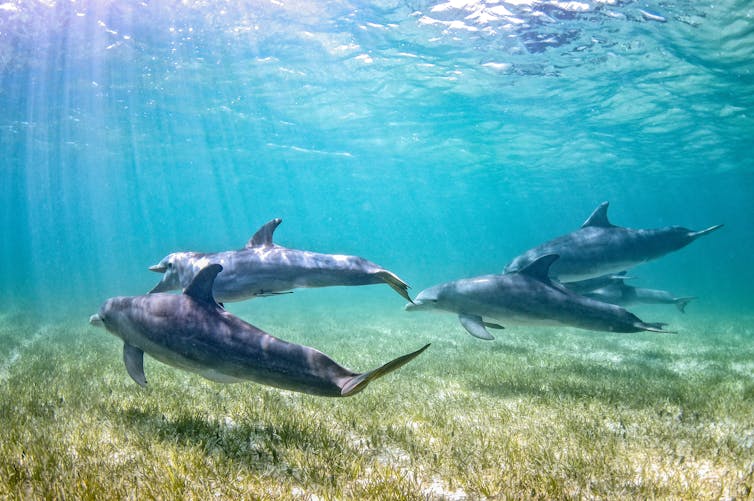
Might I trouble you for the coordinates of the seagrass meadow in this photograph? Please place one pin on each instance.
(533, 414)
(438, 139)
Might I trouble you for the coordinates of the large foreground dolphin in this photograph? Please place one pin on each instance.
(264, 268)
(600, 248)
(192, 332)
(527, 296)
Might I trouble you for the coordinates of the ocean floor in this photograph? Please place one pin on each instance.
(539, 412)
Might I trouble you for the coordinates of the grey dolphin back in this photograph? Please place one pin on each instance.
(360, 381)
(263, 236)
(396, 283)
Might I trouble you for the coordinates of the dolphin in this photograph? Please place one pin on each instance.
(191, 331)
(623, 294)
(590, 284)
(263, 268)
(599, 247)
(526, 296)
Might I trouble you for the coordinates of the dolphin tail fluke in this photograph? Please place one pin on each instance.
(696, 234)
(652, 327)
(396, 283)
(360, 381)
(681, 302)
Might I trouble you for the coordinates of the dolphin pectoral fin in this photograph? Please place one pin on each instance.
(490, 325)
(360, 381)
(681, 302)
(396, 283)
(134, 359)
(697, 234)
(474, 325)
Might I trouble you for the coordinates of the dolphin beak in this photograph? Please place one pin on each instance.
(415, 305)
(159, 268)
(96, 320)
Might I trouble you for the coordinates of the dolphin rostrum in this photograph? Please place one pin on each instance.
(599, 247)
(526, 296)
(263, 268)
(191, 331)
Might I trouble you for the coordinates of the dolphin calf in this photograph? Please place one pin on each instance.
(590, 284)
(526, 296)
(263, 268)
(191, 331)
(622, 294)
(599, 247)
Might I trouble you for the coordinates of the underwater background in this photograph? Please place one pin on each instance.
(438, 139)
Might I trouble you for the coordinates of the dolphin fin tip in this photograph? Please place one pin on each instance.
(681, 303)
(395, 283)
(706, 231)
(360, 381)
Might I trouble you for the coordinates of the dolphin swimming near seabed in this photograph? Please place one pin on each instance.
(263, 268)
(191, 331)
(622, 294)
(599, 247)
(526, 296)
(590, 284)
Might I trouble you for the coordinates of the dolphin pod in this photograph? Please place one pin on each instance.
(526, 296)
(599, 247)
(192, 332)
(263, 268)
(576, 280)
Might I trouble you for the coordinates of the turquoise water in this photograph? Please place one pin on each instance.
(436, 139)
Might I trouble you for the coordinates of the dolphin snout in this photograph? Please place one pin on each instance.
(96, 320)
(418, 304)
(159, 268)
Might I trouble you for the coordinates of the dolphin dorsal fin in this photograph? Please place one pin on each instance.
(598, 217)
(263, 236)
(540, 267)
(200, 287)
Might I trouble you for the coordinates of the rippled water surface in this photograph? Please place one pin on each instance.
(439, 139)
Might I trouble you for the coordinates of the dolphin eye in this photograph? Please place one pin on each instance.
(170, 265)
